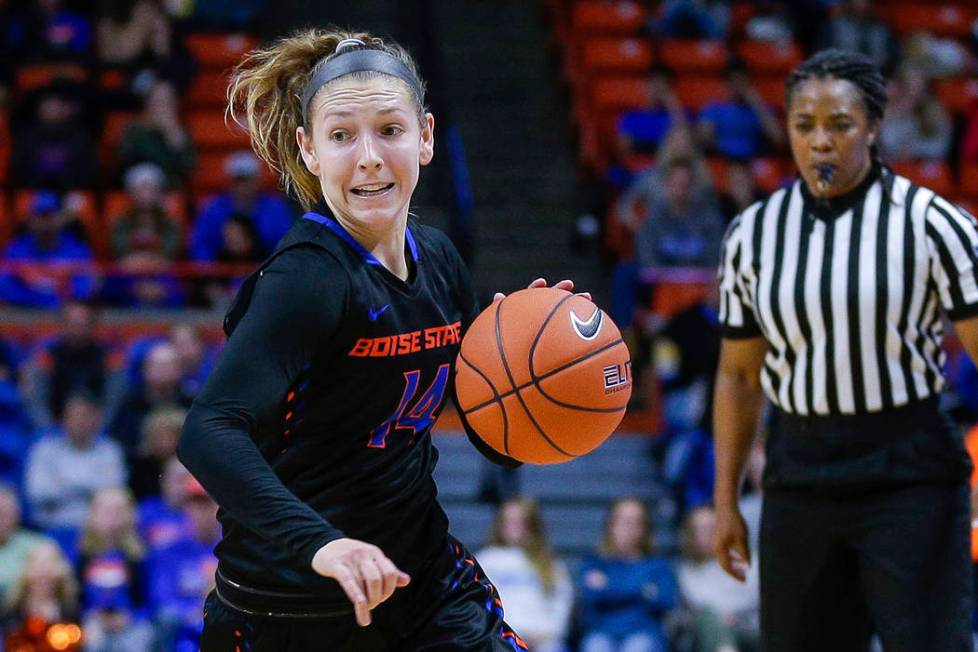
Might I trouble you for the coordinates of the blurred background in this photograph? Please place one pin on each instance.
(608, 141)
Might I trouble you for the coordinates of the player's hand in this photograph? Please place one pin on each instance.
(730, 542)
(366, 574)
(566, 284)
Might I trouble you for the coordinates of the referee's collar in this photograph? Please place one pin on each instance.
(829, 209)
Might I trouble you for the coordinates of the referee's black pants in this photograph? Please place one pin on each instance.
(866, 528)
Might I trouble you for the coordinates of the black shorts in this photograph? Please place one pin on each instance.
(455, 608)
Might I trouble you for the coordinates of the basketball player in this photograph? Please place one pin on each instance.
(313, 431)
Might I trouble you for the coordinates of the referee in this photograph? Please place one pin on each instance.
(832, 294)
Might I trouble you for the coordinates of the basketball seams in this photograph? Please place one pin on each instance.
(535, 382)
(497, 398)
(512, 382)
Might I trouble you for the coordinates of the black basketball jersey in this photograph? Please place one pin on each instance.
(336, 369)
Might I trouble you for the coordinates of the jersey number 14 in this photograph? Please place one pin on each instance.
(418, 418)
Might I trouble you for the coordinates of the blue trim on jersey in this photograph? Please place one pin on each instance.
(338, 229)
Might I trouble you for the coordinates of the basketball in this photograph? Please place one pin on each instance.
(543, 376)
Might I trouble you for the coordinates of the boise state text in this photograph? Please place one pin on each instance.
(405, 343)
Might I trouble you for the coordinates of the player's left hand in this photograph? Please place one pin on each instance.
(566, 284)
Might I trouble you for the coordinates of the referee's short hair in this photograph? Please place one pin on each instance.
(844, 64)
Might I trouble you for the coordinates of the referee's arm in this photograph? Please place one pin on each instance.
(737, 401)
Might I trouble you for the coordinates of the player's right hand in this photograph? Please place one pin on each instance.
(730, 542)
(366, 574)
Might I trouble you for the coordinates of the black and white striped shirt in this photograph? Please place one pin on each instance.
(848, 295)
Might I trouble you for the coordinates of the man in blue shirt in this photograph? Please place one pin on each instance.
(45, 241)
(267, 211)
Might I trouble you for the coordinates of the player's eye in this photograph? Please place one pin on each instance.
(338, 136)
(392, 130)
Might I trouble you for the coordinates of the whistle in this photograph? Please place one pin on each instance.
(825, 173)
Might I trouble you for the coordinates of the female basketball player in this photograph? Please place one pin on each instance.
(313, 431)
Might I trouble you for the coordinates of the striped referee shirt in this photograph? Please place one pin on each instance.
(847, 292)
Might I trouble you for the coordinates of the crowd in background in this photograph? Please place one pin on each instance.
(104, 536)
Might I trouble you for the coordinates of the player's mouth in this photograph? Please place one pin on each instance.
(372, 189)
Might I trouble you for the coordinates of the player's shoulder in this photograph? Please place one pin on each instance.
(431, 239)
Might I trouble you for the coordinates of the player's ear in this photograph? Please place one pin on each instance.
(427, 139)
(306, 150)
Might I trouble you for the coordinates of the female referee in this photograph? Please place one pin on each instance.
(831, 298)
(313, 431)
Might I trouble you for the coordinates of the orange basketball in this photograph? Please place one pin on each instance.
(543, 376)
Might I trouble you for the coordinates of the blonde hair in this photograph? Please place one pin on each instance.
(265, 98)
(93, 543)
(166, 416)
(67, 588)
(607, 547)
(534, 545)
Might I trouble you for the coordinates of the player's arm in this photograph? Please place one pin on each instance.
(274, 340)
(737, 403)
(967, 332)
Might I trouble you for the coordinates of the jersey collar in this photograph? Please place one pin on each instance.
(321, 215)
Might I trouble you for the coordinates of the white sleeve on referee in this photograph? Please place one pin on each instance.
(952, 239)
(736, 311)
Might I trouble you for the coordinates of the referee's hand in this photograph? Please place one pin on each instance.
(730, 542)
(366, 574)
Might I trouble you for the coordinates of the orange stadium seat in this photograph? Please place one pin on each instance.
(219, 50)
(41, 74)
(957, 94)
(112, 127)
(616, 94)
(694, 56)
(936, 175)
(209, 89)
(117, 203)
(969, 180)
(5, 148)
(80, 203)
(591, 17)
(771, 89)
(769, 57)
(209, 131)
(942, 19)
(6, 224)
(695, 92)
(769, 173)
(622, 56)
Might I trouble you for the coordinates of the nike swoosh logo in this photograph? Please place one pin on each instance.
(588, 329)
(373, 315)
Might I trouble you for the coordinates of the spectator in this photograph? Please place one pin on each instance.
(969, 143)
(267, 212)
(182, 574)
(146, 233)
(134, 39)
(47, 240)
(73, 361)
(161, 374)
(642, 131)
(55, 149)
(158, 137)
(857, 28)
(162, 520)
(16, 542)
(935, 56)
(915, 126)
(160, 434)
(227, 15)
(724, 611)
(770, 22)
(533, 584)
(195, 359)
(110, 550)
(112, 626)
(626, 591)
(42, 600)
(683, 231)
(65, 469)
(741, 191)
(46, 31)
(741, 126)
(693, 19)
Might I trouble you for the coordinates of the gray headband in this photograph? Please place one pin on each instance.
(346, 63)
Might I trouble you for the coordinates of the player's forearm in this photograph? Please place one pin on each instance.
(736, 405)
